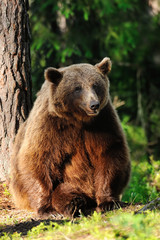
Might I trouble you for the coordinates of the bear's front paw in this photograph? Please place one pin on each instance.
(108, 206)
(75, 207)
(43, 213)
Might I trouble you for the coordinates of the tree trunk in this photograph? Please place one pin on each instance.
(15, 75)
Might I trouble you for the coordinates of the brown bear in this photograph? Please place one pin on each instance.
(71, 154)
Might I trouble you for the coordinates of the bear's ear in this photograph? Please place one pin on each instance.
(104, 66)
(53, 75)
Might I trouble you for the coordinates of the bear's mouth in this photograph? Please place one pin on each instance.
(89, 112)
(92, 113)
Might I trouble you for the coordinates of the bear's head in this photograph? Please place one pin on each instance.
(78, 91)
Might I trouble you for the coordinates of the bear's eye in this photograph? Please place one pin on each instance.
(78, 89)
(97, 88)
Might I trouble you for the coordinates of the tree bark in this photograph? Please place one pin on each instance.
(15, 75)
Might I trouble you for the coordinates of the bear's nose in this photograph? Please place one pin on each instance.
(94, 105)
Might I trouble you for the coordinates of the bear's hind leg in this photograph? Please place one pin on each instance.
(70, 202)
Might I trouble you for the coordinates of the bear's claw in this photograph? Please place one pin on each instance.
(109, 206)
(75, 207)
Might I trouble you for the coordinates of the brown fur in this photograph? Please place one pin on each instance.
(68, 157)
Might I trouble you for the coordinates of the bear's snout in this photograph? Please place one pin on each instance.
(94, 105)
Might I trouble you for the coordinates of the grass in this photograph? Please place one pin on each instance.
(117, 224)
(109, 226)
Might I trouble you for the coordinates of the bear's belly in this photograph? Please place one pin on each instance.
(80, 174)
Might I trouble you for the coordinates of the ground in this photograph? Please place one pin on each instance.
(21, 221)
(15, 220)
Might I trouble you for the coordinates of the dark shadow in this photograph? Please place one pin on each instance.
(24, 227)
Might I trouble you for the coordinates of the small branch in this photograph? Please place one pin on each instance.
(153, 205)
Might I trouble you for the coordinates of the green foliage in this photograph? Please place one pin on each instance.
(91, 31)
(135, 226)
(155, 173)
(136, 139)
(41, 228)
(14, 236)
(145, 178)
(141, 188)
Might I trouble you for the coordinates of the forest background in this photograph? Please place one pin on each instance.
(68, 32)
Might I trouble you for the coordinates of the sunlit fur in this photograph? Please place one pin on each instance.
(67, 158)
